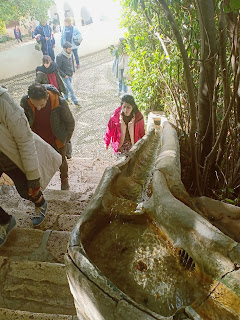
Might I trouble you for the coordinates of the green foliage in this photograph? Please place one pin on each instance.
(16, 9)
(157, 80)
(2, 28)
(4, 38)
(40, 11)
(158, 73)
(234, 5)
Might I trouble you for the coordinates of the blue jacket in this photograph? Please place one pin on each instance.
(47, 45)
(76, 36)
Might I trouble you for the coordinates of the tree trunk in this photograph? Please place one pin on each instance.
(206, 10)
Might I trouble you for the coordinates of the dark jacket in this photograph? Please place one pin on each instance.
(47, 45)
(41, 77)
(65, 65)
(62, 120)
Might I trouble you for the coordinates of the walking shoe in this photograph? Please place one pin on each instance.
(77, 103)
(39, 214)
(78, 66)
(65, 184)
(6, 229)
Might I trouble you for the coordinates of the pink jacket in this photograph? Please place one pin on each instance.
(113, 132)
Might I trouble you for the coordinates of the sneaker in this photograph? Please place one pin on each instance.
(78, 66)
(6, 229)
(65, 184)
(77, 103)
(117, 94)
(69, 156)
(39, 214)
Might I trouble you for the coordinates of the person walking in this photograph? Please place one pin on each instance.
(121, 67)
(31, 30)
(65, 65)
(50, 117)
(48, 73)
(125, 127)
(17, 34)
(72, 35)
(19, 160)
(43, 33)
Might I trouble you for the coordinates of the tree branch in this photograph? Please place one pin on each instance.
(162, 4)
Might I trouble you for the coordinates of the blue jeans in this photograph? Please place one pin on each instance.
(68, 85)
(122, 86)
(76, 55)
(47, 49)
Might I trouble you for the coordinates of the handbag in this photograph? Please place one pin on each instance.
(38, 46)
(77, 42)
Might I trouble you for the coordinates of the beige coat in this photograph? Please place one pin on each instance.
(28, 151)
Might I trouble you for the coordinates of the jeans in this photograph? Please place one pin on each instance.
(76, 55)
(68, 85)
(47, 49)
(122, 86)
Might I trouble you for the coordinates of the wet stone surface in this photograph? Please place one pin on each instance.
(140, 263)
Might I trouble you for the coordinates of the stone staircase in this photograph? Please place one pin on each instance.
(33, 278)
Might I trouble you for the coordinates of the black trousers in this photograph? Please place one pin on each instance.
(20, 181)
(21, 184)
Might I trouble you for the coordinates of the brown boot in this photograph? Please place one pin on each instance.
(64, 184)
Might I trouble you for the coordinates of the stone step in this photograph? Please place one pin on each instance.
(59, 201)
(83, 173)
(8, 314)
(53, 220)
(32, 273)
(36, 245)
(33, 286)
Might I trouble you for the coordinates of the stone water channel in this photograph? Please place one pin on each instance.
(128, 258)
(131, 250)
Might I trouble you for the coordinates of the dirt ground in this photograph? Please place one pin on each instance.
(14, 43)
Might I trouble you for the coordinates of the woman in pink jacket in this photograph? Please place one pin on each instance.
(125, 127)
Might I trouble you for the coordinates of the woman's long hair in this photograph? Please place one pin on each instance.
(129, 99)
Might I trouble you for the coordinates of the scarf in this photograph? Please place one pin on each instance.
(52, 68)
(68, 55)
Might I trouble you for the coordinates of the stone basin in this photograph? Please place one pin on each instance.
(137, 252)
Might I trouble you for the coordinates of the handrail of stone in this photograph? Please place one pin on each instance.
(215, 254)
